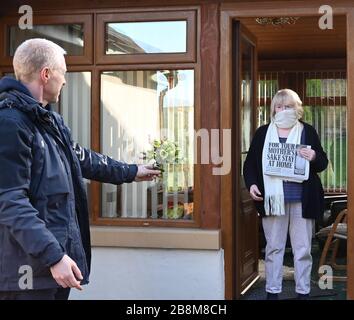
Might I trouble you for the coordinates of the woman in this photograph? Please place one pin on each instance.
(284, 204)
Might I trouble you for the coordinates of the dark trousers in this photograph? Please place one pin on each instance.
(43, 294)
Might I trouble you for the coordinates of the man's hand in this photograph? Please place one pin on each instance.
(255, 193)
(146, 173)
(66, 273)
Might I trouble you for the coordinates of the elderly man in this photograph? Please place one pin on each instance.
(44, 221)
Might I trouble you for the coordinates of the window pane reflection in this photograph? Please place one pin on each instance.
(75, 107)
(69, 36)
(146, 37)
(136, 108)
(246, 98)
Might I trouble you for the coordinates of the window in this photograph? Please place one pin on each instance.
(142, 87)
(138, 107)
(146, 37)
(247, 97)
(326, 88)
(70, 32)
(330, 123)
(152, 37)
(69, 36)
(267, 88)
(325, 108)
(75, 106)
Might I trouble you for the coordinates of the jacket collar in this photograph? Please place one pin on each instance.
(20, 97)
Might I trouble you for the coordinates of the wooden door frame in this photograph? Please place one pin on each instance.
(229, 12)
(241, 34)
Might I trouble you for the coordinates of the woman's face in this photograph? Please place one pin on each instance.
(282, 107)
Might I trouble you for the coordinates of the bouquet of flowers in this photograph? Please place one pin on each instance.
(163, 152)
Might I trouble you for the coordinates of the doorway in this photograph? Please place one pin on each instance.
(241, 272)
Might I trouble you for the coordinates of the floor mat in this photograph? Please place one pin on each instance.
(257, 292)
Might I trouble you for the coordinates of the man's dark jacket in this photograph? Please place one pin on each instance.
(43, 204)
(312, 192)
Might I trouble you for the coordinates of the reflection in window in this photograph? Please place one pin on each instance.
(75, 107)
(146, 37)
(136, 108)
(246, 98)
(69, 36)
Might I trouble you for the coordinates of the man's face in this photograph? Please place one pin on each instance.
(51, 90)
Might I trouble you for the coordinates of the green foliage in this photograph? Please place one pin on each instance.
(164, 152)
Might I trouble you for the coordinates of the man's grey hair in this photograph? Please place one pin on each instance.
(33, 55)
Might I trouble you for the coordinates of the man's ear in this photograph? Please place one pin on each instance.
(45, 75)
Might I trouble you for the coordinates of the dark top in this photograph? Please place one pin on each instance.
(312, 193)
(43, 203)
(292, 190)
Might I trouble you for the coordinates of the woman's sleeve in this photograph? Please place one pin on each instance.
(250, 173)
(321, 161)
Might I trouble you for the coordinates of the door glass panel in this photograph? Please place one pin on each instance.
(247, 83)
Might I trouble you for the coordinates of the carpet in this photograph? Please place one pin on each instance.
(257, 292)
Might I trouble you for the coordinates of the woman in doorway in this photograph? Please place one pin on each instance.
(286, 204)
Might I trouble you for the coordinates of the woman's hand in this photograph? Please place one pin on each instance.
(255, 193)
(308, 154)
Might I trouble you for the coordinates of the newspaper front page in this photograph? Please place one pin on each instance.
(284, 161)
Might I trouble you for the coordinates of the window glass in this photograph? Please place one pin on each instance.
(326, 87)
(146, 37)
(69, 36)
(137, 108)
(75, 107)
(331, 124)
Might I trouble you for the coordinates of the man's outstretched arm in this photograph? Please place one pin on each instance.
(96, 166)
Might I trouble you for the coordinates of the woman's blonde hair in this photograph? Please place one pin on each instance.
(33, 55)
(287, 97)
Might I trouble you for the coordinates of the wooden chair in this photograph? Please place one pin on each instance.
(335, 233)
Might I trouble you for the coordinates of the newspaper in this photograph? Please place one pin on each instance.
(284, 161)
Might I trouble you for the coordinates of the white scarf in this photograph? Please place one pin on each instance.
(273, 186)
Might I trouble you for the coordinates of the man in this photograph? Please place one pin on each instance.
(44, 220)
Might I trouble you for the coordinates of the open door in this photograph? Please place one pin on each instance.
(245, 229)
